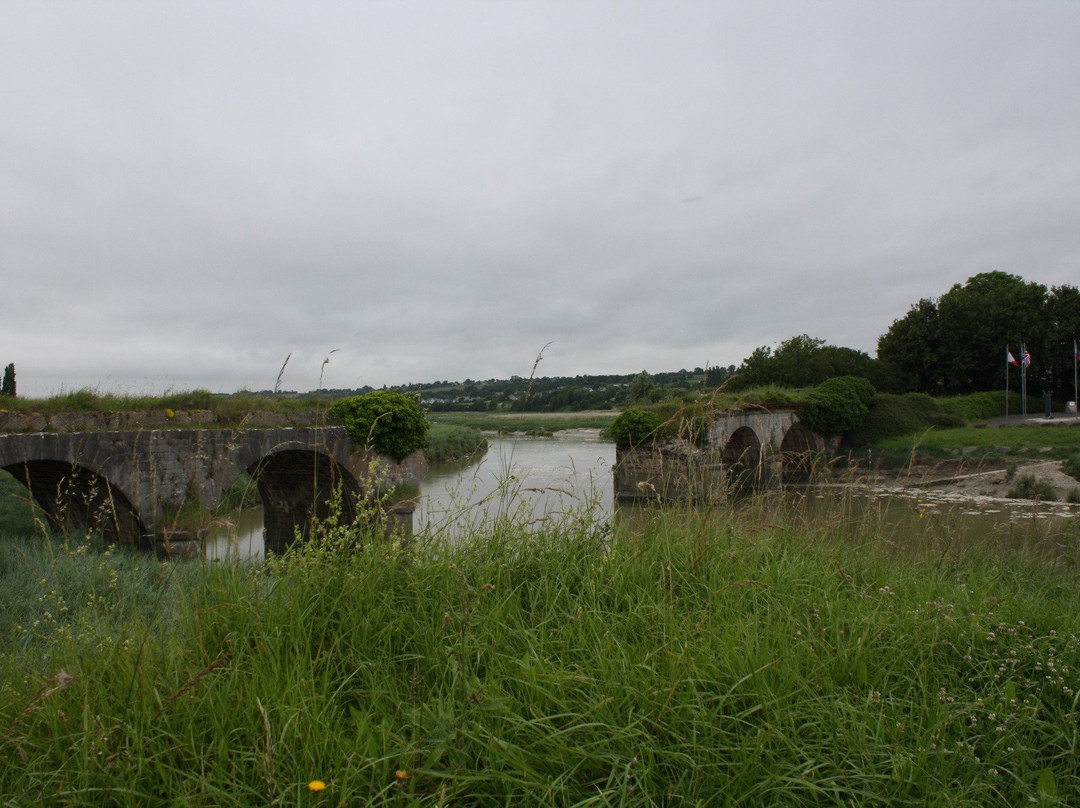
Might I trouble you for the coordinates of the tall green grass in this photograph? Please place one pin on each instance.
(450, 442)
(1058, 441)
(754, 656)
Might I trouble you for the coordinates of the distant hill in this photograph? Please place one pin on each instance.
(548, 393)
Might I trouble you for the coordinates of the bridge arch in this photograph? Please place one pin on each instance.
(73, 498)
(798, 452)
(743, 460)
(299, 487)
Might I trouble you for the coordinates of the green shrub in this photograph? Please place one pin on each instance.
(1071, 466)
(908, 414)
(837, 405)
(979, 406)
(389, 422)
(983, 406)
(1027, 487)
(634, 427)
(686, 420)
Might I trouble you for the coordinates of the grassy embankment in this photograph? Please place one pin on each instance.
(529, 423)
(899, 428)
(754, 657)
(456, 436)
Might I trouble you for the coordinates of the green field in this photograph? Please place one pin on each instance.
(759, 656)
(1007, 440)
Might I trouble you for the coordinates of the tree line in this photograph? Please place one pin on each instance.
(563, 393)
(951, 345)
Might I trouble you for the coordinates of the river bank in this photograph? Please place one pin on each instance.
(986, 487)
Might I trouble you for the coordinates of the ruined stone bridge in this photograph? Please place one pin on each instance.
(134, 485)
(749, 449)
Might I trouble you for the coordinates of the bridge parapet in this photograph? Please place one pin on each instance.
(22, 422)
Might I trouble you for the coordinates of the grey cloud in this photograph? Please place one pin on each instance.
(190, 191)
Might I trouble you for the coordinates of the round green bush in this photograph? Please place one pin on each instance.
(391, 423)
(634, 427)
(837, 405)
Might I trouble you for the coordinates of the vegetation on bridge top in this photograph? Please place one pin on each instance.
(228, 407)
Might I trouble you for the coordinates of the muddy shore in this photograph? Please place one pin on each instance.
(984, 483)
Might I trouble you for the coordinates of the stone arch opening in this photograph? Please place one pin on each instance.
(799, 452)
(74, 498)
(236, 531)
(743, 461)
(297, 488)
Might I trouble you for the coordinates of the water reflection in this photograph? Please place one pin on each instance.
(529, 479)
(238, 537)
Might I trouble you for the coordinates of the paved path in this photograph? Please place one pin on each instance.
(1038, 419)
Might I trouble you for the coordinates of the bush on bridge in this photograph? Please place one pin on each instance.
(838, 405)
(389, 422)
(634, 427)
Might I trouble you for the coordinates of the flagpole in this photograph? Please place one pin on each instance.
(1007, 355)
(1023, 380)
(1076, 361)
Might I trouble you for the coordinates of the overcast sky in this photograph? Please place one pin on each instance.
(192, 191)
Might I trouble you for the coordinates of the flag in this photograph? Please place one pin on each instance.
(1009, 358)
(1026, 359)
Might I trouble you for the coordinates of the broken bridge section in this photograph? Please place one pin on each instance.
(744, 450)
(133, 485)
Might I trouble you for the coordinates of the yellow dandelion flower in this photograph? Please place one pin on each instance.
(170, 414)
(401, 774)
(316, 786)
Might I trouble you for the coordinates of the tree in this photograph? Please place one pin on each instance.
(8, 388)
(979, 318)
(956, 344)
(803, 361)
(1063, 332)
(911, 349)
(643, 389)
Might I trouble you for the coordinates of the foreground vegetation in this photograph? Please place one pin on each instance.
(758, 656)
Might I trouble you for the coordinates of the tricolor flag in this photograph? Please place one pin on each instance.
(1026, 359)
(1010, 359)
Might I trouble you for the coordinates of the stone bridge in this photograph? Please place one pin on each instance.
(141, 487)
(748, 449)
